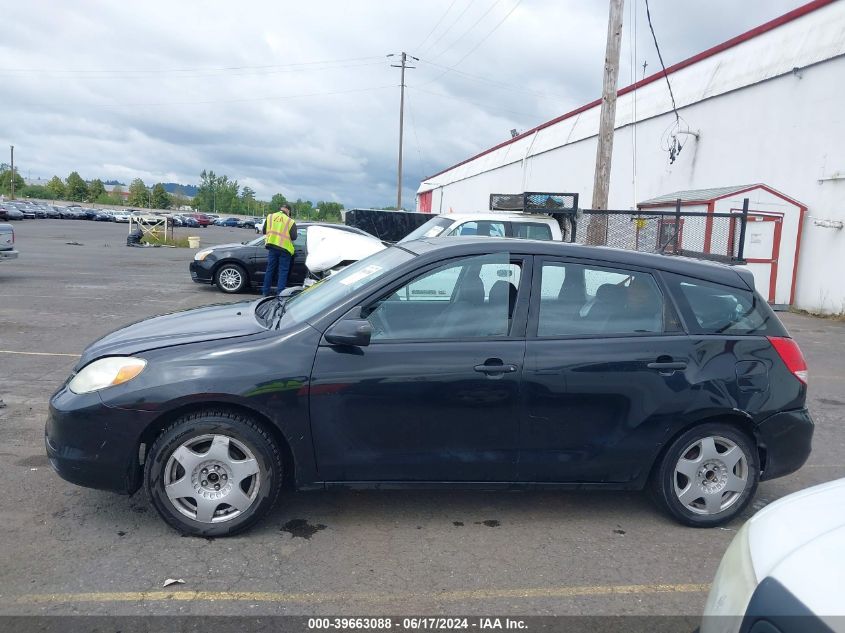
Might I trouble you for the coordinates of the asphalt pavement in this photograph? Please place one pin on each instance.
(66, 549)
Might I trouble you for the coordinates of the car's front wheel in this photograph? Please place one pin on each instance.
(707, 476)
(230, 278)
(213, 473)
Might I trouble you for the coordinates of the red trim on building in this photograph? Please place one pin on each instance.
(802, 211)
(708, 226)
(739, 39)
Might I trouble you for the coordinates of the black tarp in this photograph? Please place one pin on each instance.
(388, 226)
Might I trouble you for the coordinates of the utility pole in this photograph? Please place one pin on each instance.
(13, 172)
(597, 229)
(403, 66)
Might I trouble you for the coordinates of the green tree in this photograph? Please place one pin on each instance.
(96, 188)
(56, 188)
(329, 211)
(138, 196)
(277, 201)
(161, 199)
(302, 209)
(6, 181)
(75, 188)
(248, 200)
(35, 191)
(206, 197)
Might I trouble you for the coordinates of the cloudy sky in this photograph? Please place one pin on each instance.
(300, 98)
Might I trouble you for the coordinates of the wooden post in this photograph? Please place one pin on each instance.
(597, 228)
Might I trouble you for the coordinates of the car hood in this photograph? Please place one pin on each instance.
(223, 247)
(179, 328)
(786, 526)
(328, 247)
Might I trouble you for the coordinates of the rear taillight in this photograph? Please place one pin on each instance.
(791, 356)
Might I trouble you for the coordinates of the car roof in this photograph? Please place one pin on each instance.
(470, 245)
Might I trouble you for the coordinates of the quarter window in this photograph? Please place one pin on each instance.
(586, 300)
(717, 309)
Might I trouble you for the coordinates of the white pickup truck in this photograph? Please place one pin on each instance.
(491, 224)
(7, 242)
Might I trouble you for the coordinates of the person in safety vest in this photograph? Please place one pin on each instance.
(280, 230)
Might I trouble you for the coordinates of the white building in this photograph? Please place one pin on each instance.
(767, 106)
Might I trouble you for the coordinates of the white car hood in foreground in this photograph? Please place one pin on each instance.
(800, 541)
(327, 247)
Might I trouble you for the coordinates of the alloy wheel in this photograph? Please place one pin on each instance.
(230, 278)
(711, 475)
(212, 478)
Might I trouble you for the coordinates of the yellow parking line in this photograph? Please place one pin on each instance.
(8, 351)
(316, 597)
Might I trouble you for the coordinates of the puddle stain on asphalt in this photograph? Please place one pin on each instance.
(34, 461)
(301, 528)
(489, 523)
(458, 523)
(832, 402)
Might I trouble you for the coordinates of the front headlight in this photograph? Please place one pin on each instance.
(201, 255)
(732, 588)
(106, 372)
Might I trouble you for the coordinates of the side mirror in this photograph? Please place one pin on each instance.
(356, 332)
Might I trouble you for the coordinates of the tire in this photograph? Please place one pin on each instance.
(231, 278)
(720, 483)
(213, 448)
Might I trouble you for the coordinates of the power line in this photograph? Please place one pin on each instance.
(465, 33)
(434, 28)
(485, 105)
(211, 74)
(496, 82)
(416, 137)
(660, 57)
(124, 71)
(475, 48)
(449, 28)
(212, 101)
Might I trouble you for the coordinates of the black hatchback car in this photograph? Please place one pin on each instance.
(480, 362)
(236, 267)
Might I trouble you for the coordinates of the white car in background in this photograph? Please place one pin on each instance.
(121, 216)
(784, 572)
(489, 224)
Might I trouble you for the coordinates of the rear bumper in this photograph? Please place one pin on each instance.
(786, 438)
(8, 255)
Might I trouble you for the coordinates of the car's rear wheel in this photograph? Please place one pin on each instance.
(707, 476)
(213, 473)
(230, 278)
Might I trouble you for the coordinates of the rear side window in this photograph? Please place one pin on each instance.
(531, 230)
(712, 308)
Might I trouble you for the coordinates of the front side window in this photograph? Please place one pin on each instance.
(716, 309)
(472, 297)
(484, 228)
(588, 300)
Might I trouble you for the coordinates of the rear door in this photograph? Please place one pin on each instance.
(605, 374)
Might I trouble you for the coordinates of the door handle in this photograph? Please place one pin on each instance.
(667, 368)
(495, 369)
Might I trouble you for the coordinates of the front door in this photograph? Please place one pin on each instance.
(604, 373)
(436, 394)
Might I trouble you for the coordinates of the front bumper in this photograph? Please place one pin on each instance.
(787, 439)
(91, 444)
(202, 272)
(9, 255)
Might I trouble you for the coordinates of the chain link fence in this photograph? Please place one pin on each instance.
(715, 236)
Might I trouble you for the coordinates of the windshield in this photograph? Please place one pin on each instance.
(434, 227)
(332, 290)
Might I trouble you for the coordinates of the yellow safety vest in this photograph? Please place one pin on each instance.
(278, 231)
